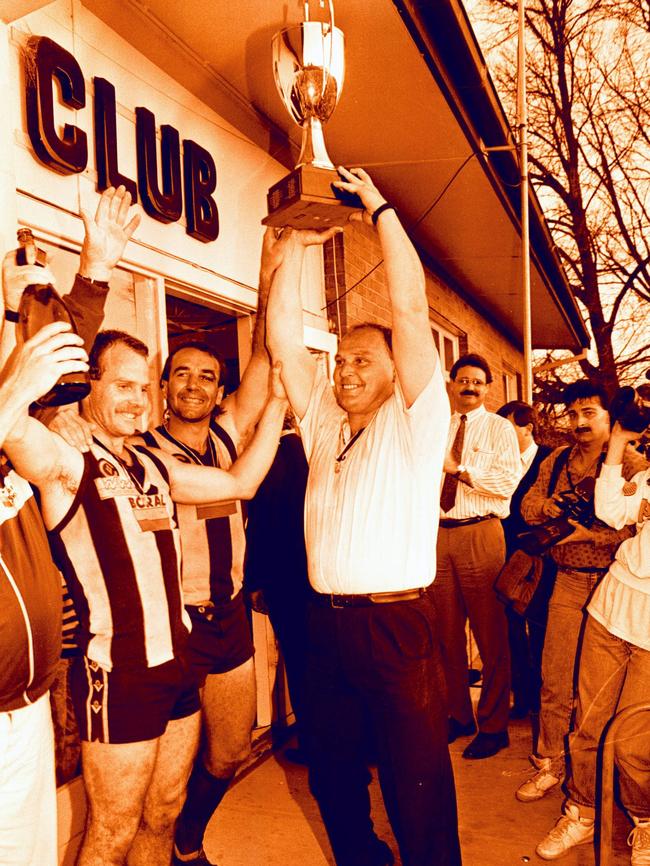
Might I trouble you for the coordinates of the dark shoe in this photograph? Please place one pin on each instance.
(457, 730)
(201, 860)
(486, 745)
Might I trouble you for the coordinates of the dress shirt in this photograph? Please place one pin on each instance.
(492, 460)
(528, 456)
(371, 526)
(621, 602)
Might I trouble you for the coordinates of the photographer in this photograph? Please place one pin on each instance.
(614, 667)
(582, 559)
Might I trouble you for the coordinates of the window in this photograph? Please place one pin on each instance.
(512, 385)
(447, 346)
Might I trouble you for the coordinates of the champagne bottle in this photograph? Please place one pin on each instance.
(41, 305)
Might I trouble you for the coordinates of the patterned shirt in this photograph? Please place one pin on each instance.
(597, 553)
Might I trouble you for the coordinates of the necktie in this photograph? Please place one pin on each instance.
(450, 486)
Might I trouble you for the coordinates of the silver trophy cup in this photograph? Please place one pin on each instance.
(309, 68)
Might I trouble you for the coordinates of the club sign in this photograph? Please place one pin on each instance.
(189, 180)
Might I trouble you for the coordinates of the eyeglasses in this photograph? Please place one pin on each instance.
(465, 381)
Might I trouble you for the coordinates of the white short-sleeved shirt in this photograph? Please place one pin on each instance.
(372, 526)
(621, 601)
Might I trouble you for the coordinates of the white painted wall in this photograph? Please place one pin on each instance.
(50, 203)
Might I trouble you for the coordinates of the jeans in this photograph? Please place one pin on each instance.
(469, 560)
(380, 664)
(566, 617)
(614, 674)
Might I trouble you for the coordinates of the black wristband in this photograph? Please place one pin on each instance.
(379, 211)
(12, 316)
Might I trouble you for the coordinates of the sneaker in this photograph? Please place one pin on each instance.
(540, 784)
(570, 830)
(639, 839)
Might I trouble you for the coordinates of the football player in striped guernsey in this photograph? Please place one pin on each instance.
(110, 515)
(203, 428)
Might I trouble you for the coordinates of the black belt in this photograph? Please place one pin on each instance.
(328, 600)
(450, 522)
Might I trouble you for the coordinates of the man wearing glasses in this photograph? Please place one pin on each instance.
(482, 470)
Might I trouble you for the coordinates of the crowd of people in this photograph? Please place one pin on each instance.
(411, 513)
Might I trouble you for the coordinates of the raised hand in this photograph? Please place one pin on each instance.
(274, 245)
(309, 237)
(35, 367)
(358, 181)
(276, 388)
(619, 432)
(16, 278)
(107, 233)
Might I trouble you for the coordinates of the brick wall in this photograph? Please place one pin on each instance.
(355, 253)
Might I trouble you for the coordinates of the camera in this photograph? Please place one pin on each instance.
(631, 408)
(576, 505)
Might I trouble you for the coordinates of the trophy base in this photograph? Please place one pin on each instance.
(306, 199)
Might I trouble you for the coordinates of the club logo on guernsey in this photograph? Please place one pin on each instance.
(150, 511)
(115, 485)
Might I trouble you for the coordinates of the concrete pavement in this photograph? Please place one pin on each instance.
(269, 818)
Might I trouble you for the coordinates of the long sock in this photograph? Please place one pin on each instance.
(204, 793)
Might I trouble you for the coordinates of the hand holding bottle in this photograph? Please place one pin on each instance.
(16, 277)
(39, 363)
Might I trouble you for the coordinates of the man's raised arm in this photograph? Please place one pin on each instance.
(37, 454)
(245, 405)
(414, 350)
(284, 328)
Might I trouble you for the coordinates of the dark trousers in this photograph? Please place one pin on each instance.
(288, 615)
(526, 638)
(469, 560)
(380, 663)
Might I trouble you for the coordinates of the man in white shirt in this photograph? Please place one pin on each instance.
(375, 446)
(483, 468)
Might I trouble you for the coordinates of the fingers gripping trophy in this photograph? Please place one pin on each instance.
(309, 67)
